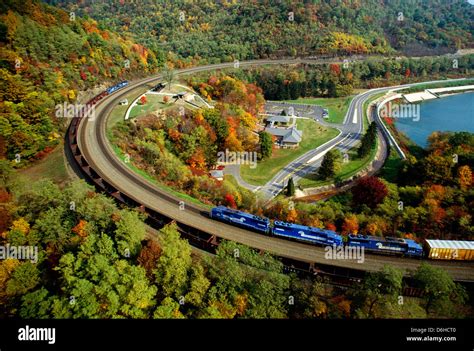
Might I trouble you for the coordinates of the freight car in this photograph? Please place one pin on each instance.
(109, 91)
(388, 245)
(450, 250)
(308, 234)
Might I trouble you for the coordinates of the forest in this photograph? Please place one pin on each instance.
(48, 58)
(179, 150)
(335, 80)
(428, 196)
(195, 31)
(97, 260)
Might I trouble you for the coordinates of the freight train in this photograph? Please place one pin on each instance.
(444, 249)
(317, 236)
(106, 92)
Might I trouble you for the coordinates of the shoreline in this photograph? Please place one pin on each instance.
(449, 93)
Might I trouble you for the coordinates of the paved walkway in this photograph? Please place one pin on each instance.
(234, 170)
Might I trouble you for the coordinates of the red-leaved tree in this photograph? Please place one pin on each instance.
(369, 191)
(230, 201)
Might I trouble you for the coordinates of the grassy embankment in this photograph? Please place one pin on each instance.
(314, 135)
(350, 168)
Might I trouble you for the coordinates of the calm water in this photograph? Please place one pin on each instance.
(453, 113)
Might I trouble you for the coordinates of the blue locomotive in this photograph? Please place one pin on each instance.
(386, 245)
(241, 219)
(117, 86)
(309, 234)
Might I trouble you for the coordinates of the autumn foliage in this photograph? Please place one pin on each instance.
(149, 255)
(369, 191)
(229, 201)
(80, 228)
(351, 225)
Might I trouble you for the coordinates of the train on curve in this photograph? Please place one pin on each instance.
(318, 236)
(106, 92)
(435, 249)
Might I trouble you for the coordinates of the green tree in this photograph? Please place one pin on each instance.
(168, 309)
(171, 272)
(368, 141)
(290, 188)
(330, 164)
(24, 278)
(6, 173)
(266, 145)
(129, 233)
(239, 273)
(377, 289)
(97, 284)
(442, 297)
(168, 76)
(437, 169)
(199, 284)
(310, 299)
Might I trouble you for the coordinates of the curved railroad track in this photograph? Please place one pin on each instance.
(89, 146)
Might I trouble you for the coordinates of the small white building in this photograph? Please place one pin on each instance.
(217, 174)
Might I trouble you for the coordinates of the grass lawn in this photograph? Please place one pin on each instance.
(118, 112)
(154, 103)
(314, 135)
(337, 107)
(347, 170)
(51, 167)
(391, 167)
(350, 168)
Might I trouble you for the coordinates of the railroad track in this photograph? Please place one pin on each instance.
(90, 148)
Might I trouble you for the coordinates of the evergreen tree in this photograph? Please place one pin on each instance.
(368, 141)
(330, 164)
(290, 188)
(266, 145)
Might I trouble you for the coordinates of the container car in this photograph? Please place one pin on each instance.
(450, 250)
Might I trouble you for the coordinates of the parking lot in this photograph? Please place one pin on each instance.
(300, 110)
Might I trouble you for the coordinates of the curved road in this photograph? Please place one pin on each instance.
(350, 133)
(96, 149)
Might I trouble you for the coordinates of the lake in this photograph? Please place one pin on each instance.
(453, 113)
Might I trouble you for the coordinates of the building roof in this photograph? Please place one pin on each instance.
(450, 244)
(217, 173)
(290, 135)
(280, 119)
(294, 136)
(277, 131)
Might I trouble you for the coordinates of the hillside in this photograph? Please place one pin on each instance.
(47, 57)
(260, 29)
